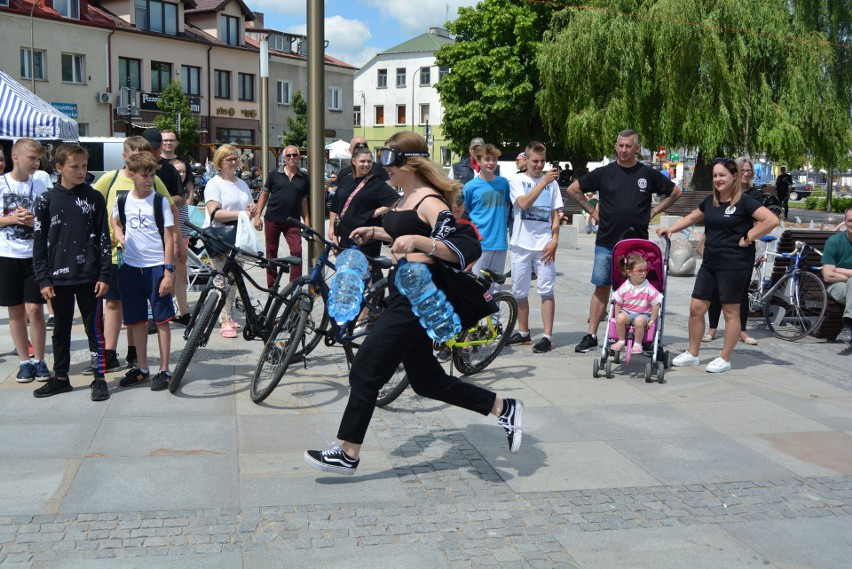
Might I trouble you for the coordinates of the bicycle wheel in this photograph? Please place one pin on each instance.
(288, 335)
(777, 211)
(495, 329)
(317, 324)
(201, 324)
(797, 306)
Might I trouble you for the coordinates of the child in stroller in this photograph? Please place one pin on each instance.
(637, 303)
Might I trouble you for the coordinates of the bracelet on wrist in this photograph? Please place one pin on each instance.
(434, 247)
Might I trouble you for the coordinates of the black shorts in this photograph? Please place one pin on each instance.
(113, 293)
(17, 283)
(726, 284)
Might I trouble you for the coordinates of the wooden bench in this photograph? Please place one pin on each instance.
(833, 321)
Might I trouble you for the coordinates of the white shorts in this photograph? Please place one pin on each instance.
(522, 261)
(493, 261)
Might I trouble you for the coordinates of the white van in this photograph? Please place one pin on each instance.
(104, 153)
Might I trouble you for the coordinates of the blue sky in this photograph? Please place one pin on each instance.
(358, 29)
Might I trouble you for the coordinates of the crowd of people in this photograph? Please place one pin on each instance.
(118, 247)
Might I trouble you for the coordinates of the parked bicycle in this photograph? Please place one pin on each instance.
(795, 305)
(260, 321)
(304, 321)
(473, 349)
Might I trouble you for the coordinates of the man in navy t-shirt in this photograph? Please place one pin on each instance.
(624, 211)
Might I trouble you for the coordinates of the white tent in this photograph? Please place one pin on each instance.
(23, 114)
(338, 150)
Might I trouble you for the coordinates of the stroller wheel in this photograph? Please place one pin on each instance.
(661, 374)
(617, 357)
(596, 370)
(648, 372)
(609, 370)
(667, 359)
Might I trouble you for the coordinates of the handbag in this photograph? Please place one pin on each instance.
(470, 298)
(227, 232)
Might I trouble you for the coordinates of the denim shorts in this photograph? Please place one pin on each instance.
(602, 269)
(633, 316)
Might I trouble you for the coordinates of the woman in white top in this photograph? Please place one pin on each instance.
(226, 195)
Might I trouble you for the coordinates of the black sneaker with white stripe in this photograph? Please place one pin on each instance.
(332, 460)
(511, 420)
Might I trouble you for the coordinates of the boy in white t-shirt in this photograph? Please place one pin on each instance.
(147, 273)
(536, 202)
(18, 289)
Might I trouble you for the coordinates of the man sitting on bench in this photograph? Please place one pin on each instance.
(837, 273)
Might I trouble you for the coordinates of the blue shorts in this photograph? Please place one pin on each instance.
(113, 293)
(140, 286)
(602, 269)
(633, 316)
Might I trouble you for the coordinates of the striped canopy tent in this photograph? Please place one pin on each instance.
(24, 115)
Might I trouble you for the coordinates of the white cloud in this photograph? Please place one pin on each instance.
(347, 39)
(289, 9)
(417, 16)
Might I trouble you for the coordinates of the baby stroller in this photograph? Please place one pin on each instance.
(657, 273)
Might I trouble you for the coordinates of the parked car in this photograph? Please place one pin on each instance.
(799, 191)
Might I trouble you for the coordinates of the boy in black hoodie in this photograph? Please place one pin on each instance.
(71, 260)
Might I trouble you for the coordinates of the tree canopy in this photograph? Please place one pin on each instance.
(177, 116)
(297, 124)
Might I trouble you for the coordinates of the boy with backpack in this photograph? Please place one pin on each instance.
(71, 219)
(142, 223)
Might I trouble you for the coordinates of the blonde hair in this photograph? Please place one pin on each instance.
(428, 171)
(142, 162)
(137, 144)
(746, 160)
(487, 149)
(223, 152)
(736, 194)
(23, 144)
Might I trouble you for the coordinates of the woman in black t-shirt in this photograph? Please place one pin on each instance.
(730, 230)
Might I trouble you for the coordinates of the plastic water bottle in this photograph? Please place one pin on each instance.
(347, 286)
(119, 255)
(436, 314)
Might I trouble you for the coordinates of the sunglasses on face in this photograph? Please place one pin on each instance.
(394, 157)
(296, 155)
(231, 159)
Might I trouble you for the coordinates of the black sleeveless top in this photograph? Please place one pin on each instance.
(407, 222)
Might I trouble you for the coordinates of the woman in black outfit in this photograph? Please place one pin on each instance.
(421, 228)
(729, 226)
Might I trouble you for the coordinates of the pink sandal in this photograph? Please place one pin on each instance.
(228, 333)
(637, 349)
(618, 346)
(235, 325)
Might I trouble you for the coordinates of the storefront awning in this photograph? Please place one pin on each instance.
(24, 115)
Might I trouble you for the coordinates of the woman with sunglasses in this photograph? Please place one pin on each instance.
(226, 195)
(746, 168)
(420, 228)
(732, 223)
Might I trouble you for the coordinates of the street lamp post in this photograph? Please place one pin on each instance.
(264, 104)
(413, 87)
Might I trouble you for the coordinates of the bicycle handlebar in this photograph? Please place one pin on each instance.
(311, 234)
(206, 235)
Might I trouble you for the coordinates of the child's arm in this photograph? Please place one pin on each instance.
(168, 281)
(41, 229)
(117, 230)
(655, 312)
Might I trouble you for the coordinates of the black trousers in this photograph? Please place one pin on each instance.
(92, 311)
(398, 337)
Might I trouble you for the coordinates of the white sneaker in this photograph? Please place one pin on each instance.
(718, 366)
(686, 359)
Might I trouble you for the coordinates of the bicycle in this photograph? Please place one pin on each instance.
(795, 305)
(305, 319)
(473, 349)
(203, 319)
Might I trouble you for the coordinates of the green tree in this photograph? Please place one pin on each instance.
(177, 116)
(297, 124)
(490, 89)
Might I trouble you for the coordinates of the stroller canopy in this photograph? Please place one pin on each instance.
(24, 115)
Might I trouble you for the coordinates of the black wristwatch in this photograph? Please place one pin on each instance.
(169, 268)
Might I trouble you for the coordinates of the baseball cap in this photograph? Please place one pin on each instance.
(154, 138)
(477, 141)
(521, 155)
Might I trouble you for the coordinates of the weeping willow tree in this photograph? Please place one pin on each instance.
(719, 75)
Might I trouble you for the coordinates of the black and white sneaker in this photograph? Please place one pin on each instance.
(511, 420)
(332, 460)
(587, 344)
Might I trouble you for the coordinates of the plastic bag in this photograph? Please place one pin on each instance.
(246, 236)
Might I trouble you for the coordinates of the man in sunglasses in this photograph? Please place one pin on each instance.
(378, 170)
(285, 194)
(625, 188)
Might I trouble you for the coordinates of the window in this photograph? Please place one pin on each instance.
(67, 8)
(380, 115)
(161, 75)
(4, 2)
(245, 87)
(425, 76)
(382, 81)
(73, 68)
(237, 136)
(285, 88)
(400, 76)
(34, 68)
(229, 30)
(156, 16)
(83, 128)
(335, 99)
(222, 89)
(442, 71)
(129, 73)
(191, 79)
(424, 113)
(400, 114)
(279, 43)
(356, 115)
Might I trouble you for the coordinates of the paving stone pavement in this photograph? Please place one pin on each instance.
(749, 468)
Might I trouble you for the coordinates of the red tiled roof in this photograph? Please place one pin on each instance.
(42, 10)
(329, 60)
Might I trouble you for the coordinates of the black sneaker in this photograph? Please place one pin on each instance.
(134, 377)
(845, 335)
(161, 381)
(100, 391)
(587, 344)
(50, 321)
(518, 338)
(511, 419)
(542, 346)
(183, 320)
(26, 372)
(112, 364)
(54, 386)
(332, 460)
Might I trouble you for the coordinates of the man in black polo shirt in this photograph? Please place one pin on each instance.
(625, 187)
(286, 195)
(782, 187)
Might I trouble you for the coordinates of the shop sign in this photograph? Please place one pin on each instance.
(150, 100)
(69, 109)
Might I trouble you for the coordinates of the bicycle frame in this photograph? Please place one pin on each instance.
(795, 257)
